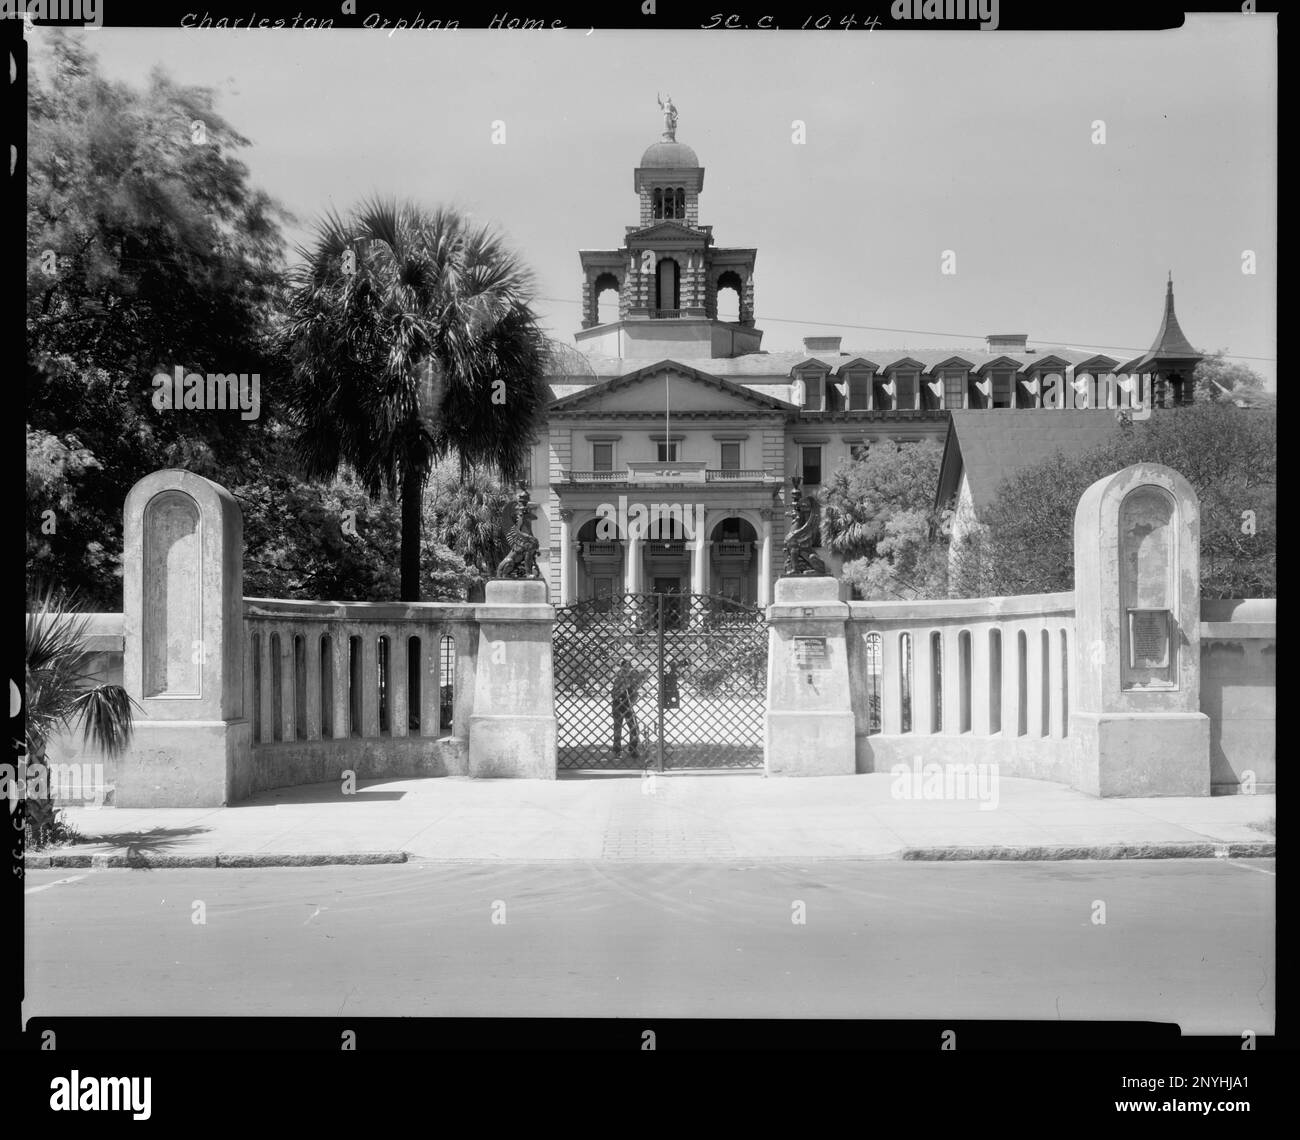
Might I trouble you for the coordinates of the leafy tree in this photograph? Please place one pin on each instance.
(862, 495)
(1217, 380)
(1228, 454)
(911, 559)
(411, 338)
(469, 513)
(146, 251)
(311, 540)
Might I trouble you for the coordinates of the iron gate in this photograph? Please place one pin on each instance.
(699, 664)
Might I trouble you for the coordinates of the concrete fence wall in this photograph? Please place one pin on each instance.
(978, 680)
(358, 686)
(1239, 692)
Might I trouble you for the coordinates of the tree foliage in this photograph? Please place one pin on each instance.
(862, 495)
(411, 338)
(145, 252)
(1228, 454)
(1217, 379)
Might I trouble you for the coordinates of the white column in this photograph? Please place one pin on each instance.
(566, 558)
(765, 561)
(700, 561)
(632, 567)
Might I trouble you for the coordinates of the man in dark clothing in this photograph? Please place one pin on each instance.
(672, 697)
(622, 702)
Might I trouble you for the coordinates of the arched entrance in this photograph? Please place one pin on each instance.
(668, 285)
(734, 557)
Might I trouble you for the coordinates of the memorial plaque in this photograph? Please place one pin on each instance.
(1148, 639)
(810, 654)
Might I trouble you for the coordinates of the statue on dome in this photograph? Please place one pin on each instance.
(670, 117)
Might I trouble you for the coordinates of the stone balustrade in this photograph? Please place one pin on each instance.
(376, 687)
(964, 680)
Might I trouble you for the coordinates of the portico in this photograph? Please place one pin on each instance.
(666, 543)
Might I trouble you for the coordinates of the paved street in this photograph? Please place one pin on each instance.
(1189, 941)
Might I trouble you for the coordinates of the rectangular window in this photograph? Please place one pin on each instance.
(812, 466)
(812, 393)
(731, 457)
(667, 451)
(905, 389)
(602, 457)
(1002, 384)
(954, 388)
(859, 392)
(859, 450)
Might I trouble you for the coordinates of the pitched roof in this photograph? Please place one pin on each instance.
(1170, 343)
(778, 365)
(592, 393)
(993, 445)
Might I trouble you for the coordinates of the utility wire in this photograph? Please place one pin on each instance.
(1060, 342)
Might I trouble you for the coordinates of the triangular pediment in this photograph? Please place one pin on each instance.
(670, 385)
(666, 231)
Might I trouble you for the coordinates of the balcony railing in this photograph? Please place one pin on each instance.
(601, 549)
(730, 549)
(664, 314)
(596, 476)
(735, 474)
(688, 472)
(667, 547)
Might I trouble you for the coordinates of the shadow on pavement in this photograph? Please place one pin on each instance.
(157, 841)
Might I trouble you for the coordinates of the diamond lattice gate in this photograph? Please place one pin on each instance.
(692, 692)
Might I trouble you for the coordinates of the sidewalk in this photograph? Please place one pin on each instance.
(675, 817)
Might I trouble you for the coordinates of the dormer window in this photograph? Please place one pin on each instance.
(814, 399)
(859, 391)
(1002, 389)
(954, 388)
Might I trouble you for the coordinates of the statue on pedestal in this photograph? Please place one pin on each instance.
(670, 118)
(521, 562)
(804, 535)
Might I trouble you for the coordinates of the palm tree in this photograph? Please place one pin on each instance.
(59, 695)
(411, 338)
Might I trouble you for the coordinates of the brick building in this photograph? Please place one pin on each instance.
(672, 409)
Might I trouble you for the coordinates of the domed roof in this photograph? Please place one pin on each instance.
(669, 154)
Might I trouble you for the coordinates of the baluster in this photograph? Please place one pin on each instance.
(981, 683)
(398, 686)
(430, 663)
(891, 686)
(311, 654)
(288, 730)
(951, 681)
(266, 683)
(922, 683)
(341, 681)
(369, 682)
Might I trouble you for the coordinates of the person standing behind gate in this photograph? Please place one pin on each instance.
(622, 702)
(672, 697)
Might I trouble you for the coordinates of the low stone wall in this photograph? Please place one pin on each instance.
(329, 689)
(965, 681)
(1239, 693)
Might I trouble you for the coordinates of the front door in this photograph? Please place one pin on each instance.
(672, 605)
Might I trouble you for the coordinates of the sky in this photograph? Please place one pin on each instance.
(917, 142)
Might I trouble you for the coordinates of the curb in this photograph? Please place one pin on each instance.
(143, 861)
(1245, 849)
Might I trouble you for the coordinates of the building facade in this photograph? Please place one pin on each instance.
(672, 434)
